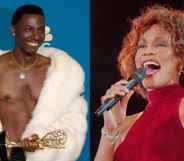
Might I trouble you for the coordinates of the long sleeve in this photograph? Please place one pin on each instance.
(74, 124)
(60, 106)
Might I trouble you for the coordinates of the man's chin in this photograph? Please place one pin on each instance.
(32, 51)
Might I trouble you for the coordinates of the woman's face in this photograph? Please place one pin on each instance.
(155, 54)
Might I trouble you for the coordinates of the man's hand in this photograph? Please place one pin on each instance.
(30, 144)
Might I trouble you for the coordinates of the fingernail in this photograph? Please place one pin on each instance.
(126, 90)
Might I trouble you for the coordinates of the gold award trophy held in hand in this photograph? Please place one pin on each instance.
(54, 139)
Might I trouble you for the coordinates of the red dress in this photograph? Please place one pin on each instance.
(158, 134)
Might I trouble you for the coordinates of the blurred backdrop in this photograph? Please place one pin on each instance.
(109, 24)
(67, 29)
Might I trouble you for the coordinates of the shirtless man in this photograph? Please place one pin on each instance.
(22, 75)
(22, 72)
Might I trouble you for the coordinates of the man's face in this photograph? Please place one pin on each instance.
(29, 33)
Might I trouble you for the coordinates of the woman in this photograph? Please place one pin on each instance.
(156, 43)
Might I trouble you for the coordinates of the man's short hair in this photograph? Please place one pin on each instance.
(26, 9)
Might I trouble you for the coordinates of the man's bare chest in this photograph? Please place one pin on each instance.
(14, 89)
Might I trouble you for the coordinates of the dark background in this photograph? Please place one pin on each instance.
(109, 24)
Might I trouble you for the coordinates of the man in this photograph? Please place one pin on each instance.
(40, 92)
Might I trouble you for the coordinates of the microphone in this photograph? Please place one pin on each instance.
(135, 78)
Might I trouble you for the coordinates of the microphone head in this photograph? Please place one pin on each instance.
(139, 74)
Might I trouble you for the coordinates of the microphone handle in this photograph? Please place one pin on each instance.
(109, 103)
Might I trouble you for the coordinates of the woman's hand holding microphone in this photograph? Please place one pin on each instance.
(116, 115)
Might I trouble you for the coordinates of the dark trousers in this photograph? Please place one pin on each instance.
(18, 155)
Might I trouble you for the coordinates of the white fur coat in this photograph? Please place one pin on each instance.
(60, 106)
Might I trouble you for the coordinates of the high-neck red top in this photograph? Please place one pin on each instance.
(158, 134)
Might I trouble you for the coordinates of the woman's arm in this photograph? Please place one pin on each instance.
(106, 147)
(105, 150)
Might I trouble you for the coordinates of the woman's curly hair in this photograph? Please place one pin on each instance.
(171, 20)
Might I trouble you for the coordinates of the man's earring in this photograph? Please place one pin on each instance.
(13, 34)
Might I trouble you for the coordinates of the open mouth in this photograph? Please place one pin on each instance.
(151, 67)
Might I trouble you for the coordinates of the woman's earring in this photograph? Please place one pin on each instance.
(180, 71)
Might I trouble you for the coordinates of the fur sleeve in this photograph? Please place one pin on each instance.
(60, 106)
(75, 125)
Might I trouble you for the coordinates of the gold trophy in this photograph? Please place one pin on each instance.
(54, 139)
